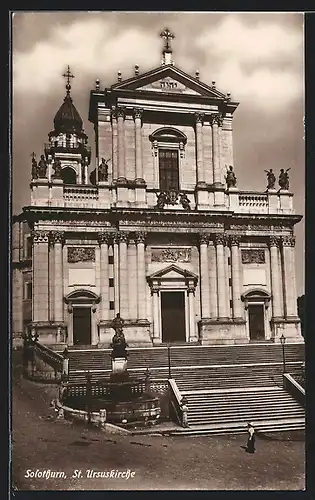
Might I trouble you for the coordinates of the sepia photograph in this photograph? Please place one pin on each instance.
(157, 251)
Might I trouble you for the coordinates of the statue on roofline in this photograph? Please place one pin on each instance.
(230, 178)
(271, 179)
(284, 179)
(42, 167)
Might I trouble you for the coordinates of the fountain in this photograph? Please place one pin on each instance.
(123, 399)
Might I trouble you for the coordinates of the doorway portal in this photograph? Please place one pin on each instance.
(81, 325)
(256, 317)
(173, 317)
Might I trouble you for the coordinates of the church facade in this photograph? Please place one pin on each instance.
(158, 229)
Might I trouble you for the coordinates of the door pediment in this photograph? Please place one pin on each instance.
(173, 274)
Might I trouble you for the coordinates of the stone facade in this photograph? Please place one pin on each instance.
(218, 259)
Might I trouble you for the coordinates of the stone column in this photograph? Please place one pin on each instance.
(290, 297)
(156, 315)
(116, 272)
(58, 239)
(235, 271)
(86, 173)
(216, 122)
(204, 276)
(222, 306)
(199, 148)
(123, 275)
(141, 278)
(191, 306)
(121, 144)
(213, 280)
(132, 279)
(138, 139)
(114, 143)
(274, 243)
(104, 240)
(40, 276)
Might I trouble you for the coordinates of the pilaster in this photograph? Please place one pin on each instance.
(235, 271)
(141, 278)
(204, 276)
(40, 276)
(219, 240)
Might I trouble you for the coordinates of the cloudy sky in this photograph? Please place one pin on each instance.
(258, 57)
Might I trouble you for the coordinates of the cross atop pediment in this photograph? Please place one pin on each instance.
(168, 36)
(167, 51)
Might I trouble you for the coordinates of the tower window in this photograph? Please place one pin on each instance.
(28, 291)
(168, 169)
(29, 248)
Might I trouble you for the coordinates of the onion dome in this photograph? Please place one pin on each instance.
(67, 119)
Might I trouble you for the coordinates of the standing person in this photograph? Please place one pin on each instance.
(251, 438)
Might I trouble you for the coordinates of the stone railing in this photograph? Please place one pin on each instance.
(80, 193)
(253, 200)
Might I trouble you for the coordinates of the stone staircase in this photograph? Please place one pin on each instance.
(226, 386)
(229, 410)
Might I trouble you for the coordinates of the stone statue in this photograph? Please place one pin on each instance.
(185, 202)
(271, 179)
(34, 169)
(57, 169)
(230, 178)
(161, 200)
(42, 167)
(103, 171)
(284, 179)
(118, 344)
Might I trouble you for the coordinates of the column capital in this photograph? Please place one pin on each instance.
(137, 113)
(105, 237)
(288, 241)
(234, 240)
(121, 237)
(274, 241)
(140, 237)
(199, 117)
(217, 119)
(121, 112)
(155, 289)
(204, 238)
(113, 112)
(219, 239)
(57, 237)
(40, 236)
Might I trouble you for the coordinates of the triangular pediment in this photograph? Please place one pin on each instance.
(173, 272)
(169, 79)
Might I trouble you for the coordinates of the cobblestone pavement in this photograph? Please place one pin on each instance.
(42, 443)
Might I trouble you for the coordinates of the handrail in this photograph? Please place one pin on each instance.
(175, 400)
(47, 354)
(294, 388)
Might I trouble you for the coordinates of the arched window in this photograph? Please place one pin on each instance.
(168, 146)
(68, 175)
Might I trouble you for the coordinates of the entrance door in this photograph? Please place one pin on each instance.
(81, 325)
(173, 317)
(256, 321)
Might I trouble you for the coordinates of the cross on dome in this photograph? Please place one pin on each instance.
(68, 75)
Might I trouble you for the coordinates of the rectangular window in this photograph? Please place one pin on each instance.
(111, 282)
(29, 248)
(110, 259)
(111, 305)
(28, 291)
(168, 169)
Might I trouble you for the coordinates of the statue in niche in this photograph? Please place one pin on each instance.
(161, 200)
(57, 169)
(284, 179)
(42, 167)
(231, 178)
(185, 202)
(103, 171)
(271, 179)
(118, 344)
(34, 168)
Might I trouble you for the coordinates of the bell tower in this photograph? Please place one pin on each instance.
(67, 152)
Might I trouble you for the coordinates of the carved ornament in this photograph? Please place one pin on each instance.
(253, 256)
(81, 254)
(171, 255)
(40, 236)
(288, 241)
